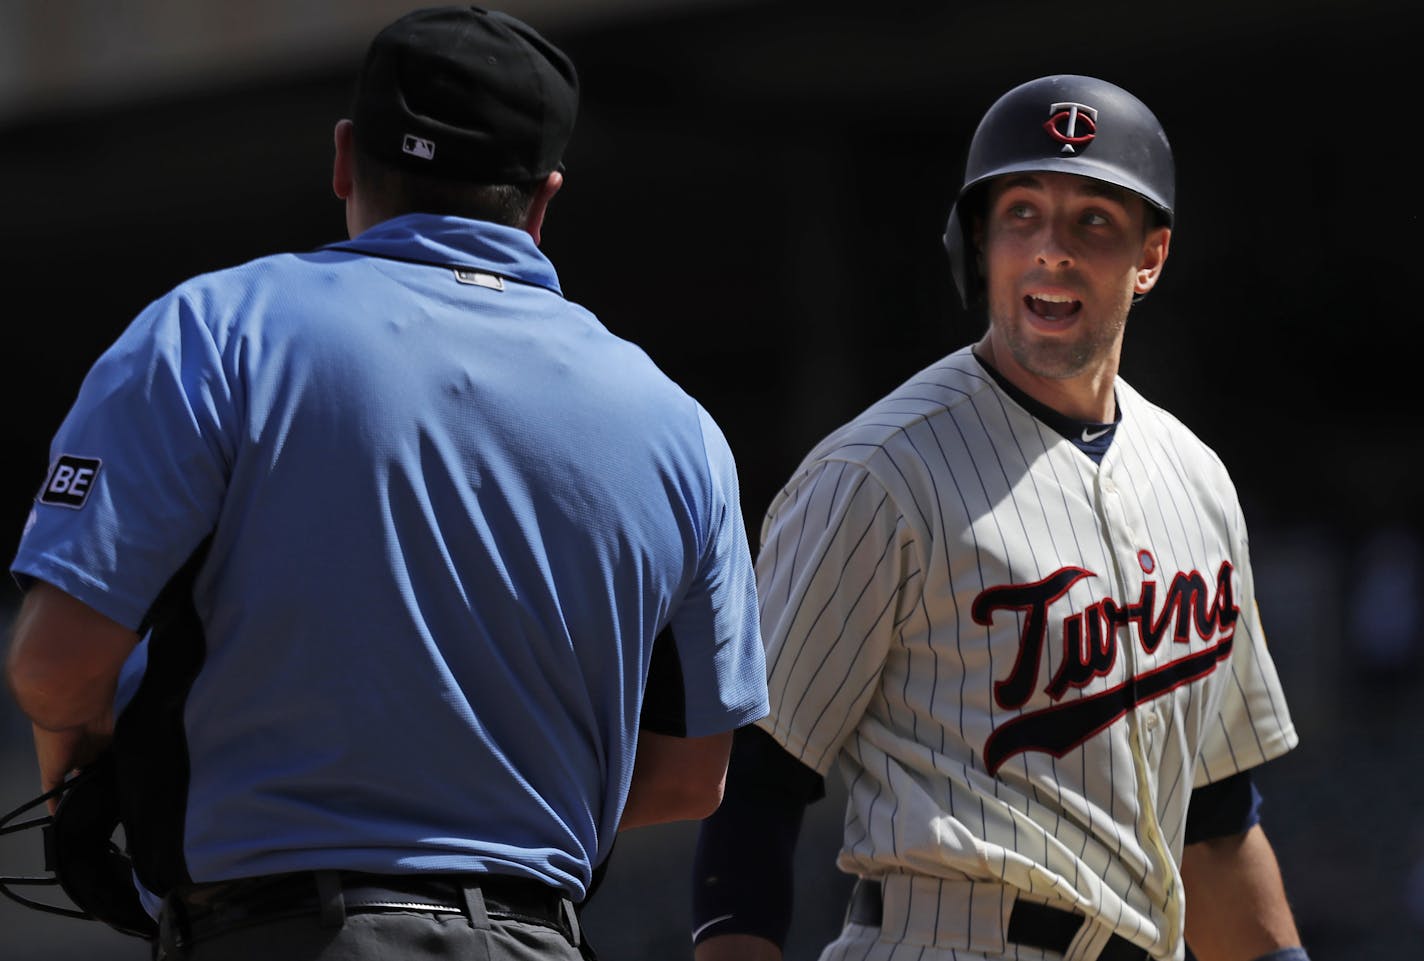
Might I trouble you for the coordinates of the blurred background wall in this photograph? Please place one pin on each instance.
(755, 193)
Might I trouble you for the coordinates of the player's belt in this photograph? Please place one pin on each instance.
(203, 910)
(1030, 924)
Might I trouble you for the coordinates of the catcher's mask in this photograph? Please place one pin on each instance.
(81, 855)
(1060, 124)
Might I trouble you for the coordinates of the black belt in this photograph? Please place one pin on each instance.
(205, 909)
(1034, 925)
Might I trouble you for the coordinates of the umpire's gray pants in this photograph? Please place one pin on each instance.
(385, 935)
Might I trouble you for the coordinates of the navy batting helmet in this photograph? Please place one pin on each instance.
(1060, 124)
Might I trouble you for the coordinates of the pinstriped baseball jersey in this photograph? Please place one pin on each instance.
(1023, 661)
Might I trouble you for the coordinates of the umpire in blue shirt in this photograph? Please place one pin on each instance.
(391, 583)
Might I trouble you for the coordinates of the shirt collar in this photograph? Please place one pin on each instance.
(1091, 437)
(457, 242)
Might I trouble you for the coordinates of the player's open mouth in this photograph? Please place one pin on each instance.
(1052, 306)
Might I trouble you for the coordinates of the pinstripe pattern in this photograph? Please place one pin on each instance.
(872, 560)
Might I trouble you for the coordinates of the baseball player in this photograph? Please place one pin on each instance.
(1013, 603)
(401, 584)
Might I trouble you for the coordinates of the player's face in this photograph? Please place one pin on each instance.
(1063, 257)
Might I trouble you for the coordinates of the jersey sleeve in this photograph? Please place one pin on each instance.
(150, 424)
(1253, 722)
(721, 664)
(832, 575)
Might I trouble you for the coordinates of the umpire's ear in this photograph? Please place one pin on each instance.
(539, 206)
(360, 212)
(343, 166)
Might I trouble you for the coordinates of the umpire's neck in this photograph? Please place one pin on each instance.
(364, 212)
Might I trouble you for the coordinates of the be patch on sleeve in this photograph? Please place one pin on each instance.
(69, 481)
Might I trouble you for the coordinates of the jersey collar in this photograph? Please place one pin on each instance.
(1091, 437)
(457, 242)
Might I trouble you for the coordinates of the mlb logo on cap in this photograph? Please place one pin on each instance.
(418, 147)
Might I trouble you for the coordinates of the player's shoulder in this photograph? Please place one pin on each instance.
(1156, 425)
(943, 389)
(886, 447)
(211, 299)
(230, 282)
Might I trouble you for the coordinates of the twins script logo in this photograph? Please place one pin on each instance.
(1190, 608)
(1073, 125)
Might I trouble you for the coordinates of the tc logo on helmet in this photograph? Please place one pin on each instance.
(1071, 124)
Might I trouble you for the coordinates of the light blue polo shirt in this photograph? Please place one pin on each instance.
(445, 513)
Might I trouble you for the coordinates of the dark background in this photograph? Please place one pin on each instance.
(755, 194)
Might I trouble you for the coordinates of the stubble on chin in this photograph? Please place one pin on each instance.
(1060, 358)
(1051, 359)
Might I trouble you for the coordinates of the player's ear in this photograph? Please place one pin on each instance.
(343, 165)
(1154, 256)
(539, 206)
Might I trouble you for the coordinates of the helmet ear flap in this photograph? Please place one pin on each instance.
(966, 257)
(955, 245)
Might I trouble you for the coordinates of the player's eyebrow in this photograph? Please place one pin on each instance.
(1096, 188)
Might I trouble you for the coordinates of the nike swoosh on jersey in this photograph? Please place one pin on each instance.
(1090, 436)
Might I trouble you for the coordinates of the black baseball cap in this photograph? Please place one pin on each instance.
(462, 93)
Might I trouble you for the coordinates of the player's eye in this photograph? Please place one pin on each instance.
(1096, 218)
